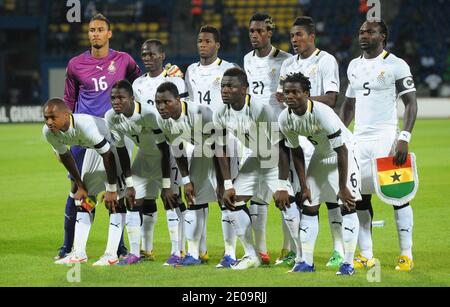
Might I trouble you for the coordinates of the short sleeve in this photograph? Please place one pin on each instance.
(291, 138)
(350, 93)
(282, 77)
(152, 120)
(91, 133)
(57, 146)
(329, 122)
(404, 82)
(330, 74)
(219, 129)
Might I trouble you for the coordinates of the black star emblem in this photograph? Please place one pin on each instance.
(396, 177)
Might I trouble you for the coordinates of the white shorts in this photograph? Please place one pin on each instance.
(368, 151)
(323, 178)
(147, 175)
(253, 180)
(203, 177)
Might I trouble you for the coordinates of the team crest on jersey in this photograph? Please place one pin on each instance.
(112, 68)
(380, 77)
(273, 73)
(216, 82)
(313, 72)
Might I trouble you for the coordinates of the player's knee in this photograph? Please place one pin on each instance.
(311, 211)
(400, 207)
(149, 206)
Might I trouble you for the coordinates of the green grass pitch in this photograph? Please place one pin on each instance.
(33, 188)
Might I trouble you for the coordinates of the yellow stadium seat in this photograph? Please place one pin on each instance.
(142, 26)
(153, 26)
(64, 27)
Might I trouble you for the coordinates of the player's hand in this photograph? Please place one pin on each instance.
(305, 195)
(282, 200)
(229, 198)
(111, 201)
(168, 198)
(349, 202)
(280, 97)
(81, 193)
(130, 197)
(189, 193)
(401, 153)
(173, 71)
(298, 200)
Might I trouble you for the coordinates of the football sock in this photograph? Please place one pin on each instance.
(229, 236)
(286, 234)
(147, 230)
(194, 228)
(173, 222)
(116, 223)
(82, 228)
(133, 222)
(350, 229)
(365, 233)
(258, 215)
(181, 229)
(335, 221)
(203, 248)
(291, 217)
(70, 215)
(404, 221)
(309, 229)
(241, 222)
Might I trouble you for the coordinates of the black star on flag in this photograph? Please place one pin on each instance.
(396, 177)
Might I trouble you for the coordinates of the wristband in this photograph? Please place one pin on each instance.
(185, 180)
(228, 184)
(129, 182)
(111, 187)
(282, 185)
(166, 183)
(404, 136)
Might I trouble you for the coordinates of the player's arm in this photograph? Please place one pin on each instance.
(71, 88)
(281, 196)
(330, 99)
(166, 193)
(69, 163)
(344, 193)
(407, 92)
(347, 112)
(298, 157)
(125, 163)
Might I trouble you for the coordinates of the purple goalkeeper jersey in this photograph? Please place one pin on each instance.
(89, 80)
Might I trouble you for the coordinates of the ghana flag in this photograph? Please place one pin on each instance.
(394, 184)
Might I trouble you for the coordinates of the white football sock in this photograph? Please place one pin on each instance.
(292, 219)
(286, 234)
(181, 230)
(350, 230)
(147, 230)
(193, 221)
(335, 221)
(133, 222)
(242, 227)
(229, 235)
(82, 228)
(116, 223)
(365, 233)
(173, 222)
(203, 248)
(258, 214)
(309, 229)
(404, 221)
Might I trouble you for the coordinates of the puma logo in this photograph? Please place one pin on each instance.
(98, 67)
(404, 230)
(78, 220)
(304, 230)
(189, 221)
(351, 230)
(228, 221)
(115, 225)
(174, 220)
(289, 220)
(335, 222)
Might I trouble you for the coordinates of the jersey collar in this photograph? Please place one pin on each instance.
(72, 121)
(274, 53)
(137, 107)
(315, 53)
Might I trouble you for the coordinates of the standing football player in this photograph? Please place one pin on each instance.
(89, 77)
(144, 87)
(262, 66)
(376, 79)
(322, 70)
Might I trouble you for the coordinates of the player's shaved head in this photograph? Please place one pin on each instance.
(56, 103)
(168, 87)
(307, 23)
(239, 73)
(155, 42)
(124, 84)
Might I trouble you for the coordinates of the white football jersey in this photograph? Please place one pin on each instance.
(84, 130)
(376, 84)
(263, 75)
(145, 86)
(320, 125)
(142, 127)
(246, 125)
(194, 126)
(321, 68)
(203, 83)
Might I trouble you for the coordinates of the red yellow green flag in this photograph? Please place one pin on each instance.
(396, 185)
